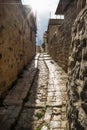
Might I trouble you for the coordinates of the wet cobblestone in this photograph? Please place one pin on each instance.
(41, 105)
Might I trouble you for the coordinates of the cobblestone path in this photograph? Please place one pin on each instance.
(37, 101)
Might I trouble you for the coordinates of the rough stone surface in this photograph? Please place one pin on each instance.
(59, 43)
(16, 47)
(59, 35)
(40, 104)
(45, 108)
(80, 5)
(13, 103)
(77, 72)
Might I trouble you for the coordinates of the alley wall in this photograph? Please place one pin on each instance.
(68, 47)
(59, 44)
(77, 74)
(17, 41)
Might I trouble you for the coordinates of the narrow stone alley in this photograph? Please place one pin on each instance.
(43, 65)
(37, 100)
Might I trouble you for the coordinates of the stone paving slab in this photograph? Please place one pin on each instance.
(30, 118)
(14, 100)
(48, 94)
(34, 108)
(45, 104)
(38, 93)
(8, 116)
(56, 97)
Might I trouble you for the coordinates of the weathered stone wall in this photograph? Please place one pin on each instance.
(77, 74)
(61, 47)
(52, 30)
(80, 5)
(60, 44)
(16, 46)
(51, 44)
(69, 18)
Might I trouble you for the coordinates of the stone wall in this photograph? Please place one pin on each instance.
(77, 74)
(53, 45)
(69, 18)
(17, 42)
(80, 5)
(51, 40)
(60, 44)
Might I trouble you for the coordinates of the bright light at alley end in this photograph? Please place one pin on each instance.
(37, 5)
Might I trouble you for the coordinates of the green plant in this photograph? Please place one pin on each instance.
(39, 115)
